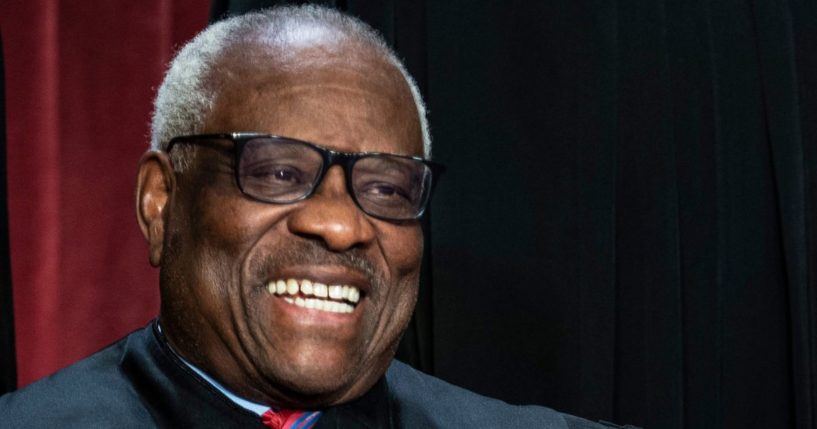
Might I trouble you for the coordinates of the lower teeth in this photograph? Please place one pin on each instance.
(320, 304)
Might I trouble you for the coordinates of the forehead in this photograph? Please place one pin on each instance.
(346, 98)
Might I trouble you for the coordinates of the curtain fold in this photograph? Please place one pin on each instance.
(776, 47)
(648, 271)
(8, 361)
(802, 16)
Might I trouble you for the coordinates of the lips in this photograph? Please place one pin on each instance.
(314, 295)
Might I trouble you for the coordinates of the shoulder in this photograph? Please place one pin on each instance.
(423, 400)
(91, 392)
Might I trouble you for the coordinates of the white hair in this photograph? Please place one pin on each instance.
(187, 94)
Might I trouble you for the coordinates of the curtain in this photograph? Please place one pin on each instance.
(635, 182)
(80, 77)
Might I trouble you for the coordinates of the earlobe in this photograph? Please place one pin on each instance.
(155, 182)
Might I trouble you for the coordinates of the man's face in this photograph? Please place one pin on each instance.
(222, 250)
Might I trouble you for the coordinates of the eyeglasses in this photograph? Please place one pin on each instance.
(282, 170)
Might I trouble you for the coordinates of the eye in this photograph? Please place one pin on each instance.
(383, 191)
(278, 173)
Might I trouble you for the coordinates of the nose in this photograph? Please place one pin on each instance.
(330, 215)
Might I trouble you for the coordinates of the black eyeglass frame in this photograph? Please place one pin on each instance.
(330, 158)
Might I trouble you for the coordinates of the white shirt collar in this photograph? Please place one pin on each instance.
(250, 406)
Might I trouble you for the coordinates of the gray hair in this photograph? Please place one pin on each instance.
(187, 94)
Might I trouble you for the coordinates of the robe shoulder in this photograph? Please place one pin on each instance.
(426, 401)
(90, 393)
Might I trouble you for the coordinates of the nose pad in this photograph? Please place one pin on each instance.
(331, 215)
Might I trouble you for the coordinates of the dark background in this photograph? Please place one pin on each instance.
(627, 229)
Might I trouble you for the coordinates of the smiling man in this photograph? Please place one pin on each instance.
(288, 275)
(281, 202)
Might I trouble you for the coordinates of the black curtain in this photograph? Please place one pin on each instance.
(628, 226)
(8, 366)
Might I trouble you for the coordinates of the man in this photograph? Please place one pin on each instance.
(280, 202)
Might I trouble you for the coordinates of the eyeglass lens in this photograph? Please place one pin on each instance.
(282, 171)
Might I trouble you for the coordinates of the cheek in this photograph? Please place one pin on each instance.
(402, 248)
(219, 220)
(227, 223)
(218, 231)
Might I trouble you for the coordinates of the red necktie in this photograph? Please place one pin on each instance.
(289, 419)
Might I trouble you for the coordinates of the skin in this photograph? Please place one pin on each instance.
(217, 249)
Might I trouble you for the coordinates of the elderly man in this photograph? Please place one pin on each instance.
(280, 200)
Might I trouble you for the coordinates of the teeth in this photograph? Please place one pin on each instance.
(292, 287)
(320, 290)
(320, 304)
(335, 292)
(301, 293)
(306, 287)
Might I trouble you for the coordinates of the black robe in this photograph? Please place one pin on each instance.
(139, 382)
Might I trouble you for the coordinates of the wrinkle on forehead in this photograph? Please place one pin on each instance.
(340, 113)
(258, 82)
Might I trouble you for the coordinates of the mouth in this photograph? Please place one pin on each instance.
(316, 296)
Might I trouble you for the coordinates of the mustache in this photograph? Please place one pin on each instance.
(313, 253)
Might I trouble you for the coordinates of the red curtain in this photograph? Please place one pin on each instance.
(80, 78)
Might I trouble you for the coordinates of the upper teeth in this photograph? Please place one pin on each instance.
(314, 289)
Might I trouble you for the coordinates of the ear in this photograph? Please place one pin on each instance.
(155, 183)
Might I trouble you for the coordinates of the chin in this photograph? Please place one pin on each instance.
(313, 385)
(321, 381)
